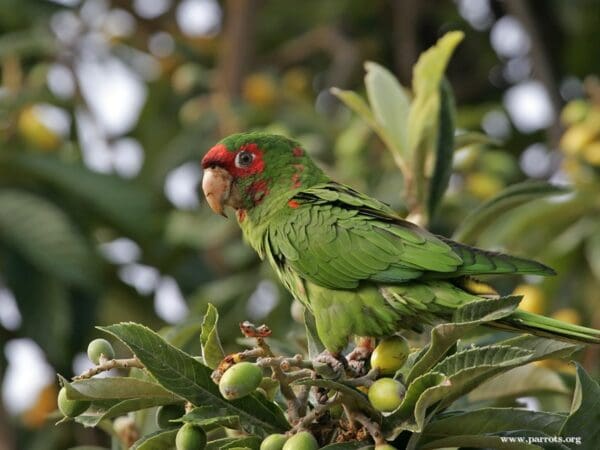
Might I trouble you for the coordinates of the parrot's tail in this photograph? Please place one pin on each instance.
(548, 327)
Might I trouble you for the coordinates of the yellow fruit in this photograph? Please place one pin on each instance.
(568, 315)
(591, 153)
(575, 111)
(483, 185)
(259, 90)
(576, 138)
(533, 298)
(390, 355)
(386, 394)
(35, 131)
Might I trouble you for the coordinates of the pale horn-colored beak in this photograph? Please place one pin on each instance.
(216, 184)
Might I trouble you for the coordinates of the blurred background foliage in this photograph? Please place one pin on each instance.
(107, 106)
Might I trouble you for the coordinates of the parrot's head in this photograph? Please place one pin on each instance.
(247, 169)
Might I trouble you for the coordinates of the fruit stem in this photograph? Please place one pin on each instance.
(109, 364)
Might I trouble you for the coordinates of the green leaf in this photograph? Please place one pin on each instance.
(252, 442)
(94, 415)
(488, 212)
(209, 418)
(481, 441)
(425, 108)
(466, 318)
(122, 203)
(159, 440)
(491, 356)
(543, 348)
(44, 235)
(584, 417)
(390, 105)
(471, 424)
(212, 351)
(519, 382)
(358, 105)
(181, 374)
(114, 388)
(444, 149)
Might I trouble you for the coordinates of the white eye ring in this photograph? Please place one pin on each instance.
(243, 159)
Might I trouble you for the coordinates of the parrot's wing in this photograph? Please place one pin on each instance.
(337, 237)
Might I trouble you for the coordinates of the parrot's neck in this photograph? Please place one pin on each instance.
(276, 204)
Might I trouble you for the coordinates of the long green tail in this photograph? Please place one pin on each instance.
(548, 327)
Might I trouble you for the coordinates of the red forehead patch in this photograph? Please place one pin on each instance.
(220, 156)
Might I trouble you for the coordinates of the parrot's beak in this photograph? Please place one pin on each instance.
(216, 184)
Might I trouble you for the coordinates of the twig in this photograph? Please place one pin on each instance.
(372, 427)
(109, 364)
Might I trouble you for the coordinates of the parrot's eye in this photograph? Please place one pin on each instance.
(243, 159)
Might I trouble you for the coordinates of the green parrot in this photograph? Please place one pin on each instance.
(355, 264)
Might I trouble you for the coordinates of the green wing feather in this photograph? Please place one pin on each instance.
(338, 237)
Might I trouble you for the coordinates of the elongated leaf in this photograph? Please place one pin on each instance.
(543, 348)
(390, 105)
(444, 149)
(159, 440)
(212, 351)
(93, 416)
(584, 417)
(518, 382)
(181, 374)
(251, 442)
(491, 356)
(120, 202)
(511, 197)
(355, 102)
(466, 318)
(114, 388)
(467, 426)
(44, 235)
(209, 418)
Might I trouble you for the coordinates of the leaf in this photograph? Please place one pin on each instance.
(181, 374)
(520, 381)
(513, 196)
(472, 424)
(159, 440)
(122, 203)
(585, 412)
(114, 388)
(487, 441)
(491, 355)
(212, 351)
(350, 394)
(543, 348)
(252, 442)
(351, 445)
(424, 111)
(444, 149)
(466, 318)
(44, 235)
(355, 102)
(390, 105)
(92, 418)
(209, 418)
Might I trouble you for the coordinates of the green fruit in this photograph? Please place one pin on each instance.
(274, 442)
(386, 394)
(390, 355)
(70, 408)
(385, 447)
(240, 380)
(301, 441)
(100, 347)
(190, 437)
(166, 413)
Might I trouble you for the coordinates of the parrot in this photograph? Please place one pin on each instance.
(355, 264)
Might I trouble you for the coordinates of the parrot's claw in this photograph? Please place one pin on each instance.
(358, 357)
(330, 365)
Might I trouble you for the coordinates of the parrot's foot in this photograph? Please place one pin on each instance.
(330, 365)
(357, 358)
